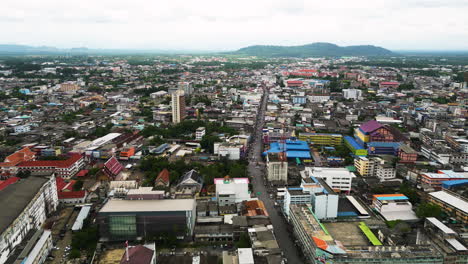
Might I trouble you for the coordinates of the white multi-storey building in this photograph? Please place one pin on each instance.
(231, 191)
(178, 106)
(199, 133)
(25, 205)
(339, 179)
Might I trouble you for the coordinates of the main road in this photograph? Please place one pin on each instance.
(257, 171)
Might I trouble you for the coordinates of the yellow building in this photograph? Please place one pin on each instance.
(364, 166)
(359, 134)
(322, 139)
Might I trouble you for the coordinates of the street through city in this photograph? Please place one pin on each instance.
(257, 171)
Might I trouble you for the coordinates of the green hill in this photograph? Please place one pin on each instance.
(313, 50)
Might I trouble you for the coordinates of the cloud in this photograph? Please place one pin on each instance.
(218, 24)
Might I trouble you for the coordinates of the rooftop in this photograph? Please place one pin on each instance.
(113, 205)
(15, 197)
(451, 199)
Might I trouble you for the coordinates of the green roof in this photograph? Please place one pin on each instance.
(351, 168)
(372, 238)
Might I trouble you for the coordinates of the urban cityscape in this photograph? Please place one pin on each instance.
(264, 154)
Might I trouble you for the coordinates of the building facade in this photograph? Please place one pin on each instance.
(178, 106)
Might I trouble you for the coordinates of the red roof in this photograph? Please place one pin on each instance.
(389, 83)
(112, 167)
(8, 181)
(71, 195)
(25, 154)
(63, 185)
(53, 163)
(294, 82)
(82, 173)
(308, 70)
(138, 255)
(163, 176)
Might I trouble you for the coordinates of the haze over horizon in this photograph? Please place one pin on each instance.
(222, 26)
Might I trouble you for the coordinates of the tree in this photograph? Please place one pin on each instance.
(244, 241)
(208, 141)
(78, 186)
(428, 210)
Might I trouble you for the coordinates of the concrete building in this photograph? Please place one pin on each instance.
(452, 204)
(178, 106)
(231, 191)
(364, 166)
(320, 244)
(394, 207)
(352, 94)
(227, 150)
(25, 205)
(322, 139)
(121, 220)
(277, 168)
(199, 133)
(339, 179)
(385, 171)
(22, 129)
(435, 180)
(62, 168)
(35, 249)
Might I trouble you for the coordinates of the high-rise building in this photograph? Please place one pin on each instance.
(178, 106)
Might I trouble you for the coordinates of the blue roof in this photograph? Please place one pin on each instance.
(353, 142)
(344, 214)
(374, 144)
(391, 198)
(454, 183)
(298, 154)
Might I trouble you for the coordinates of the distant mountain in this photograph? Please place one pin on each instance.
(313, 50)
(6, 49)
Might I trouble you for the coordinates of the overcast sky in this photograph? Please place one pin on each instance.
(227, 25)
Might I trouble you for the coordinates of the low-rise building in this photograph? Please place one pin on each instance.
(62, 168)
(231, 191)
(452, 204)
(394, 207)
(121, 220)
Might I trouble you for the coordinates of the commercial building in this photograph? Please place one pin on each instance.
(435, 180)
(277, 168)
(136, 219)
(231, 191)
(178, 106)
(322, 139)
(394, 207)
(229, 151)
(293, 149)
(25, 204)
(320, 245)
(454, 205)
(61, 168)
(339, 179)
(407, 154)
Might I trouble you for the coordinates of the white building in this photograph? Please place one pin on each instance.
(225, 150)
(339, 179)
(277, 169)
(385, 172)
(22, 129)
(394, 207)
(25, 205)
(37, 248)
(231, 191)
(199, 133)
(353, 94)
